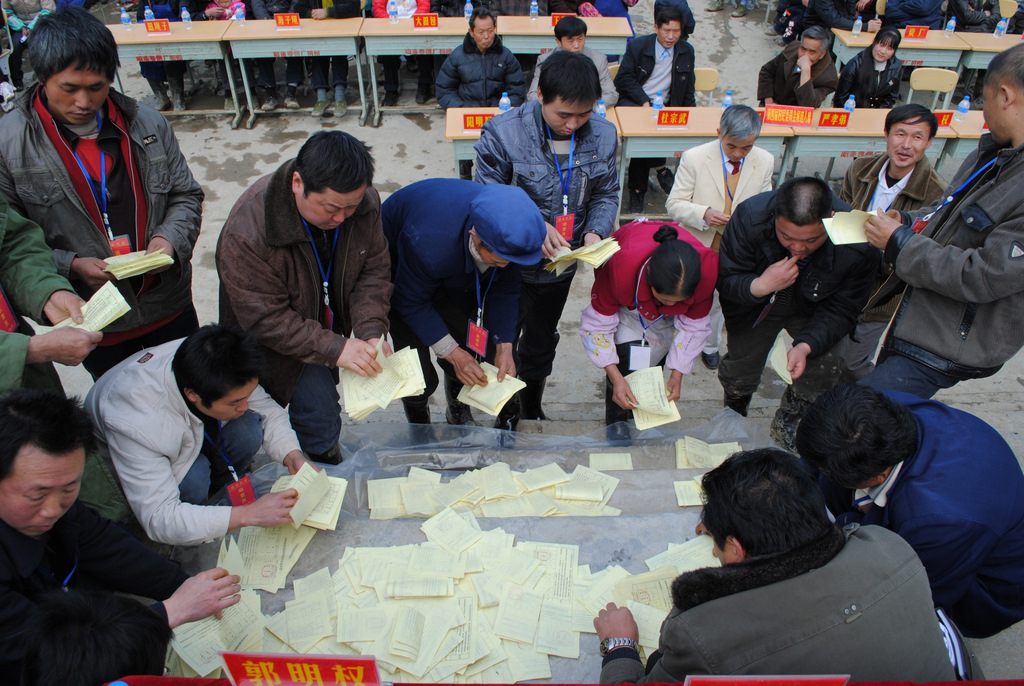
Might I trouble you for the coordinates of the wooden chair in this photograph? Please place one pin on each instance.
(932, 79)
(613, 69)
(880, 7)
(1007, 8)
(705, 80)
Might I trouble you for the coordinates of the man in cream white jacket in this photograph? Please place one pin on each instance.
(179, 421)
(711, 180)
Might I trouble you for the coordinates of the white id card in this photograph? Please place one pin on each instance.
(639, 357)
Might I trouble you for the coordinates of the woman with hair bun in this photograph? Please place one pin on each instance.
(650, 303)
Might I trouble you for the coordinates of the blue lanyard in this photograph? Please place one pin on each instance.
(220, 451)
(63, 584)
(567, 179)
(100, 195)
(325, 276)
(636, 302)
(479, 300)
(972, 177)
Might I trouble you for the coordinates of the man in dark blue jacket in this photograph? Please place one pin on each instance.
(456, 247)
(903, 13)
(942, 479)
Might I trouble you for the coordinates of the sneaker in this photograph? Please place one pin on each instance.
(740, 11)
(290, 103)
(320, 109)
(636, 202)
(340, 108)
(422, 95)
(229, 103)
(269, 104)
(711, 360)
(716, 6)
(390, 99)
(770, 31)
(665, 179)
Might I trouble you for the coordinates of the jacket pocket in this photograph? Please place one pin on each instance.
(158, 175)
(37, 187)
(975, 218)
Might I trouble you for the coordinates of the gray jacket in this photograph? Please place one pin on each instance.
(513, 150)
(852, 602)
(608, 92)
(963, 310)
(37, 185)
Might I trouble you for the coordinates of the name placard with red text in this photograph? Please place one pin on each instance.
(475, 122)
(915, 33)
(287, 21)
(945, 118)
(788, 115)
(834, 119)
(263, 669)
(716, 680)
(158, 27)
(673, 119)
(424, 22)
(558, 16)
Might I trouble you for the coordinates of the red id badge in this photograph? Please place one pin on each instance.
(476, 339)
(8, 322)
(120, 245)
(919, 225)
(241, 492)
(564, 225)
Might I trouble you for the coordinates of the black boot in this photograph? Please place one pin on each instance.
(738, 403)
(616, 419)
(508, 418)
(530, 397)
(417, 409)
(163, 103)
(332, 456)
(177, 84)
(457, 413)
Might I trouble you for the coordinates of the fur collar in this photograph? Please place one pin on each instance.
(704, 585)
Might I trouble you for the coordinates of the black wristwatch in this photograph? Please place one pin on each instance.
(610, 644)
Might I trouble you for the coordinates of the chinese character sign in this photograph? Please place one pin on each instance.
(287, 20)
(158, 26)
(915, 32)
(673, 118)
(424, 21)
(787, 115)
(255, 669)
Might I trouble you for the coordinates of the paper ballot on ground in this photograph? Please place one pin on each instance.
(492, 397)
(693, 453)
(106, 306)
(653, 408)
(688, 493)
(847, 227)
(312, 486)
(778, 358)
(595, 255)
(135, 263)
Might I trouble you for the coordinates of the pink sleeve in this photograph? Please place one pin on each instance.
(688, 342)
(597, 332)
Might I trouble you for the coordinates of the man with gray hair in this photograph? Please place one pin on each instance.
(712, 179)
(802, 74)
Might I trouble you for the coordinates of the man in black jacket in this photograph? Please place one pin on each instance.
(779, 270)
(661, 62)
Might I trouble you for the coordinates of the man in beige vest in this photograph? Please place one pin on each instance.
(712, 179)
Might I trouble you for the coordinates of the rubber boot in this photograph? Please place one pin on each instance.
(616, 419)
(530, 398)
(508, 418)
(417, 410)
(457, 413)
(163, 103)
(177, 84)
(738, 403)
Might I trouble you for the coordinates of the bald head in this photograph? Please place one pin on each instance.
(1007, 67)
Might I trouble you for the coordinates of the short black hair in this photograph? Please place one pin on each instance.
(570, 76)
(482, 13)
(45, 419)
(84, 638)
(765, 500)
(73, 38)
(804, 201)
(1007, 66)
(853, 433)
(335, 160)
(570, 27)
(674, 268)
(888, 36)
(912, 114)
(214, 361)
(668, 13)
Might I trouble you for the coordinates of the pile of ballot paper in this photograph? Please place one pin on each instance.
(466, 606)
(495, 491)
(135, 263)
(492, 397)
(401, 376)
(692, 453)
(595, 255)
(320, 498)
(652, 405)
(106, 306)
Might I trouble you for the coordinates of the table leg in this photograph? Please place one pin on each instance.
(623, 164)
(364, 111)
(231, 84)
(120, 86)
(248, 94)
(374, 100)
(787, 160)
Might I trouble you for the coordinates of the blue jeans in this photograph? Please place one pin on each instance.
(241, 439)
(314, 410)
(895, 372)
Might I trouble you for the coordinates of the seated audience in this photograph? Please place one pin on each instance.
(319, 67)
(477, 72)
(424, 64)
(789, 21)
(873, 75)
(571, 35)
(942, 479)
(975, 16)
(795, 593)
(840, 14)
(184, 419)
(900, 14)
(802, 74)
(689, 23)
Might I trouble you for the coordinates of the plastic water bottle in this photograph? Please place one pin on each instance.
(504, 105)
(657, 104)
(148, 14)
(393, 11)
(727, 100)
(950, 27)
(857, 26)
(126, 21)
(851, 103)
(186, 18)
(602, 111)
(468, 9)
(240, 16)
(1000, 28)
(534, 10)
(962, 109)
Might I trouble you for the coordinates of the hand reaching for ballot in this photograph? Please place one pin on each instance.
(553, 242)
(776, 277)
(504, 361)
(467, 369)
(68, 346)
(616, 622)
(158, 244)
(675, 385)
(797, 359)
(89, 270)
(205, 594)
(359, 357)
(269, 511)
(623, 395)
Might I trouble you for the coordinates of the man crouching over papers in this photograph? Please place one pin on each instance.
(183, 419)
(795, 594)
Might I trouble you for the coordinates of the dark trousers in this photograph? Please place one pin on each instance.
(540, 309)
(895, 372)
(639, 170)
(104, 357)
(318, 67)
(293, 72)
(391, 63)
(612, 412)
(17, 55)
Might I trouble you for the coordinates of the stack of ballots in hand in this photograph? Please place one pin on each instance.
(492, 397)
(401, 376)
(652, 405)
(595, 255)
(135, 263)
(106, 306)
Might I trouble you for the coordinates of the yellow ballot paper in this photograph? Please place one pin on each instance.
(607, 462)
(778, 358)
(688, 493)
(325, 515)
(693, 453)
(492, 397)
(653, 408)
(106, 306)
(847, 227)
(401, 376)
(312, 487)
(135, 263)
(595, 255)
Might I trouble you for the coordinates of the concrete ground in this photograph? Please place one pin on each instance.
(408, 148)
